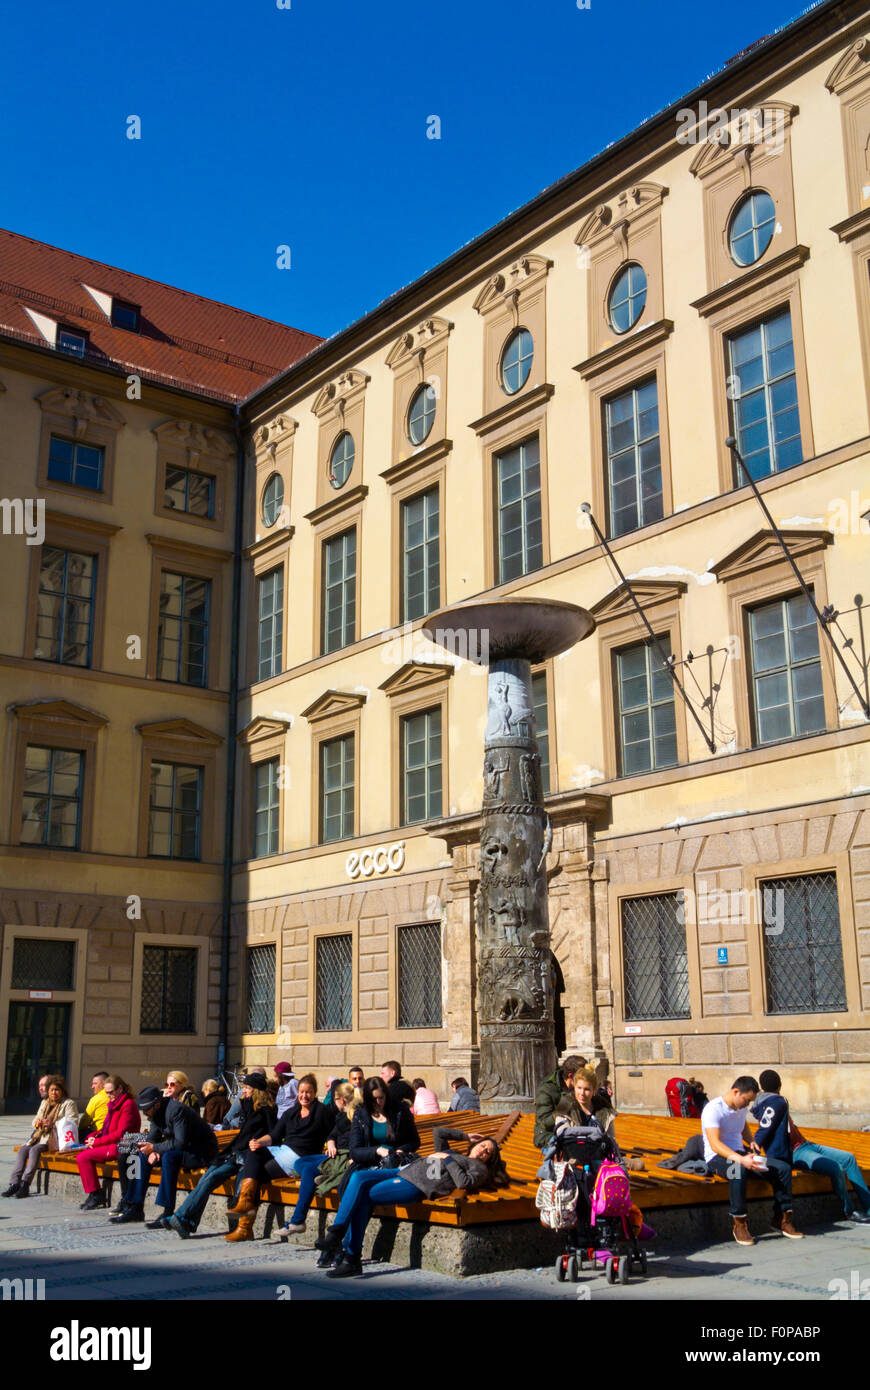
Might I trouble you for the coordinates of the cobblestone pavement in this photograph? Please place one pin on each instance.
(81, 1256)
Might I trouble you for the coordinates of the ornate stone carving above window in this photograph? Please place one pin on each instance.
(272, 450)
(511, 299)
(340, 407)
(86, 419)
(849, 79)
(198, 449)
(419, 358)
(627, 229)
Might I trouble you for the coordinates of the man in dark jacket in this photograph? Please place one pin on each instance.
(550, 1092)
(398, 1088)
(770, 1109)
(178, 1138)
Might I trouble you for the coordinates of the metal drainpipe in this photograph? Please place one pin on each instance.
(227, 905)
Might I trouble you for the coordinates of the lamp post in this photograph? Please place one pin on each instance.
(513, 958)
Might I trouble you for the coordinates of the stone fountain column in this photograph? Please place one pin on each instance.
(515, 986)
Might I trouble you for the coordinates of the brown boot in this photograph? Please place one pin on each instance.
(783, 1222)
(245, 1228)
(249, 1197)
(741, 1231)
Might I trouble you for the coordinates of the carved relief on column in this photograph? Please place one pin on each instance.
(571, 871)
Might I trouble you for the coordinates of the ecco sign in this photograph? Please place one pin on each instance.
(376, 861)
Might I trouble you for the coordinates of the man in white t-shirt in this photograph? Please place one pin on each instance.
(727, 1151)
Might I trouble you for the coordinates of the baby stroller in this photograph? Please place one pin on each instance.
(608, 1242)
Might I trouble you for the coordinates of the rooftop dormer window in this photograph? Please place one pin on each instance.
(71, 340)
(125, 315)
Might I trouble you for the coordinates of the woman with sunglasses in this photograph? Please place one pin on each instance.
(178, 1088)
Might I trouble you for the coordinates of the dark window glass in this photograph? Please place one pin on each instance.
(69, 340)
(542, 733)
(336, 788)
(182, 628)
(421, 565)
(421, 766)
(803, 946)
(125, 315)
(273, 499)
(655, 964)
(70, 461)
(421, 415)
(341, 460)
(516, 361)
(786, 670)
(762, 388)
(266, 808)
(270, 624)
(419, 952)
(647, 728)
(261, 989)
(627, 297)
(65, 607)
(175, 811)
(52, 802)
(190, 492)
(43, 964)
(518, 506)
(333, 999)
(168, 989)
(339, 591)
(634, 469)
(752, 227)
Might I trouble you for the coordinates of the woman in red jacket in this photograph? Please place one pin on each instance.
(122, 1117)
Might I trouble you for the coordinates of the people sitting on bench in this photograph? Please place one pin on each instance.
(216, 1102)
(56, 1106)
(464, 1097)
(729, 1152)
(552, 1090)
(178, 1138)
(91, 1122)
(436, 1175)
(308, 1166)
(178, 1088)
(836, 1164)
(425, 1100)
(121, 1117)
(397, 1086)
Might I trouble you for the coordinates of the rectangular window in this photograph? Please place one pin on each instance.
(168, 989)
(339, 591)
(786, 670)
(190, 492)
(419, 958)
(175, 811)
(42, 964)
(336, 788)
(261, 990)
(647, 729)
(52, 803)
(762, 388)
(421, 564)
(125, 315)
(266, 808)
(270, 624)
(72, 341)
(803, 947)
(421, 766)
(182, 628)
(518, 507)
(65, 607)
(70, 461)
(634, 469)
(542, 717)
(333, 998)
(655, 964)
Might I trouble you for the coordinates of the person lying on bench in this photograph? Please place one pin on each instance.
(836, 1164)
(436, 1175)
(178, 1138)
(728, 1153)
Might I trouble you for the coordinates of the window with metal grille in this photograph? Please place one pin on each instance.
(339, 591)
(336, 788)
(52, 801)
(266, 808)
(419, 955)
(763, 396)
(542, 722)
(646, 719)
(270, 625)
(182, 628)
(654, 960)
(65, 607)
(788, 699)
(518, 510)
(40, 964)
(421, 564)
(803, 946)
(634, 469)
(421, 766)
(175, 811)
(187, 491)
(168, 989)
(261, 989)
(333, 998)
(71, 461)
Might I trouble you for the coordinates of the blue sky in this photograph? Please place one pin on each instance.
(306, 127)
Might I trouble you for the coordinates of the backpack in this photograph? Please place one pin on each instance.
(556, 1198)
(682, 1099)
(611, 1195)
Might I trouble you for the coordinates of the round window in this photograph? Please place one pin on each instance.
(421, 415)
(273, 499)
(341, 459)
(627, 297)
(752, 227)
(516, 361)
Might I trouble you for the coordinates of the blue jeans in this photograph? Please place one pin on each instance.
(171, 1164)
(370, 1188)
(838, 1165)
(192, 1208)
(306, 1168)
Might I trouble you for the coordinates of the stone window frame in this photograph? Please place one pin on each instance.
(183, 742)
(417, 357)
(849, 81)
(855, 232)
(339, 406)
(619, 627)
(421, 918)
(344, 513)
(757, 573)
(263, 739)
(644, 358)
(547, 669)
(427, 469)
(88, 419)
(141, 939)
(200, 562)
(198, 449)
(732, 161)
(248, 1038)
(272, 552)
(336, 1037)
(271, 450)
(647, 888)
(511, 299)
(627, 229)
(89, 537)
(77, 996)
(64, 725)
(758, 294)
(415, 687)
(334, 714)
(839, 864)
(498, 438)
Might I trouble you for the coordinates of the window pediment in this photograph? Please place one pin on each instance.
(764, 549)
(82, 408)
(851, 67)
(505, 287)
(754, 132)
(193, 440)
(648, 592)
(414, 675)
(417, 341)
(614, 219)
(333, 703)
(263, 728)
(334, 397)
(180, 730)
(57, 713)
(269, 438)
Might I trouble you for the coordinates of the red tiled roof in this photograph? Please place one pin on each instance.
(184, 339)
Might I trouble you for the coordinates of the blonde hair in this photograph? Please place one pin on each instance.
(587, 1074)
(345, 1090)
(260, 1098)
(181, 1077)
(207, 1086)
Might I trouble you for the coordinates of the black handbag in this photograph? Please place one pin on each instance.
(129, 1142)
